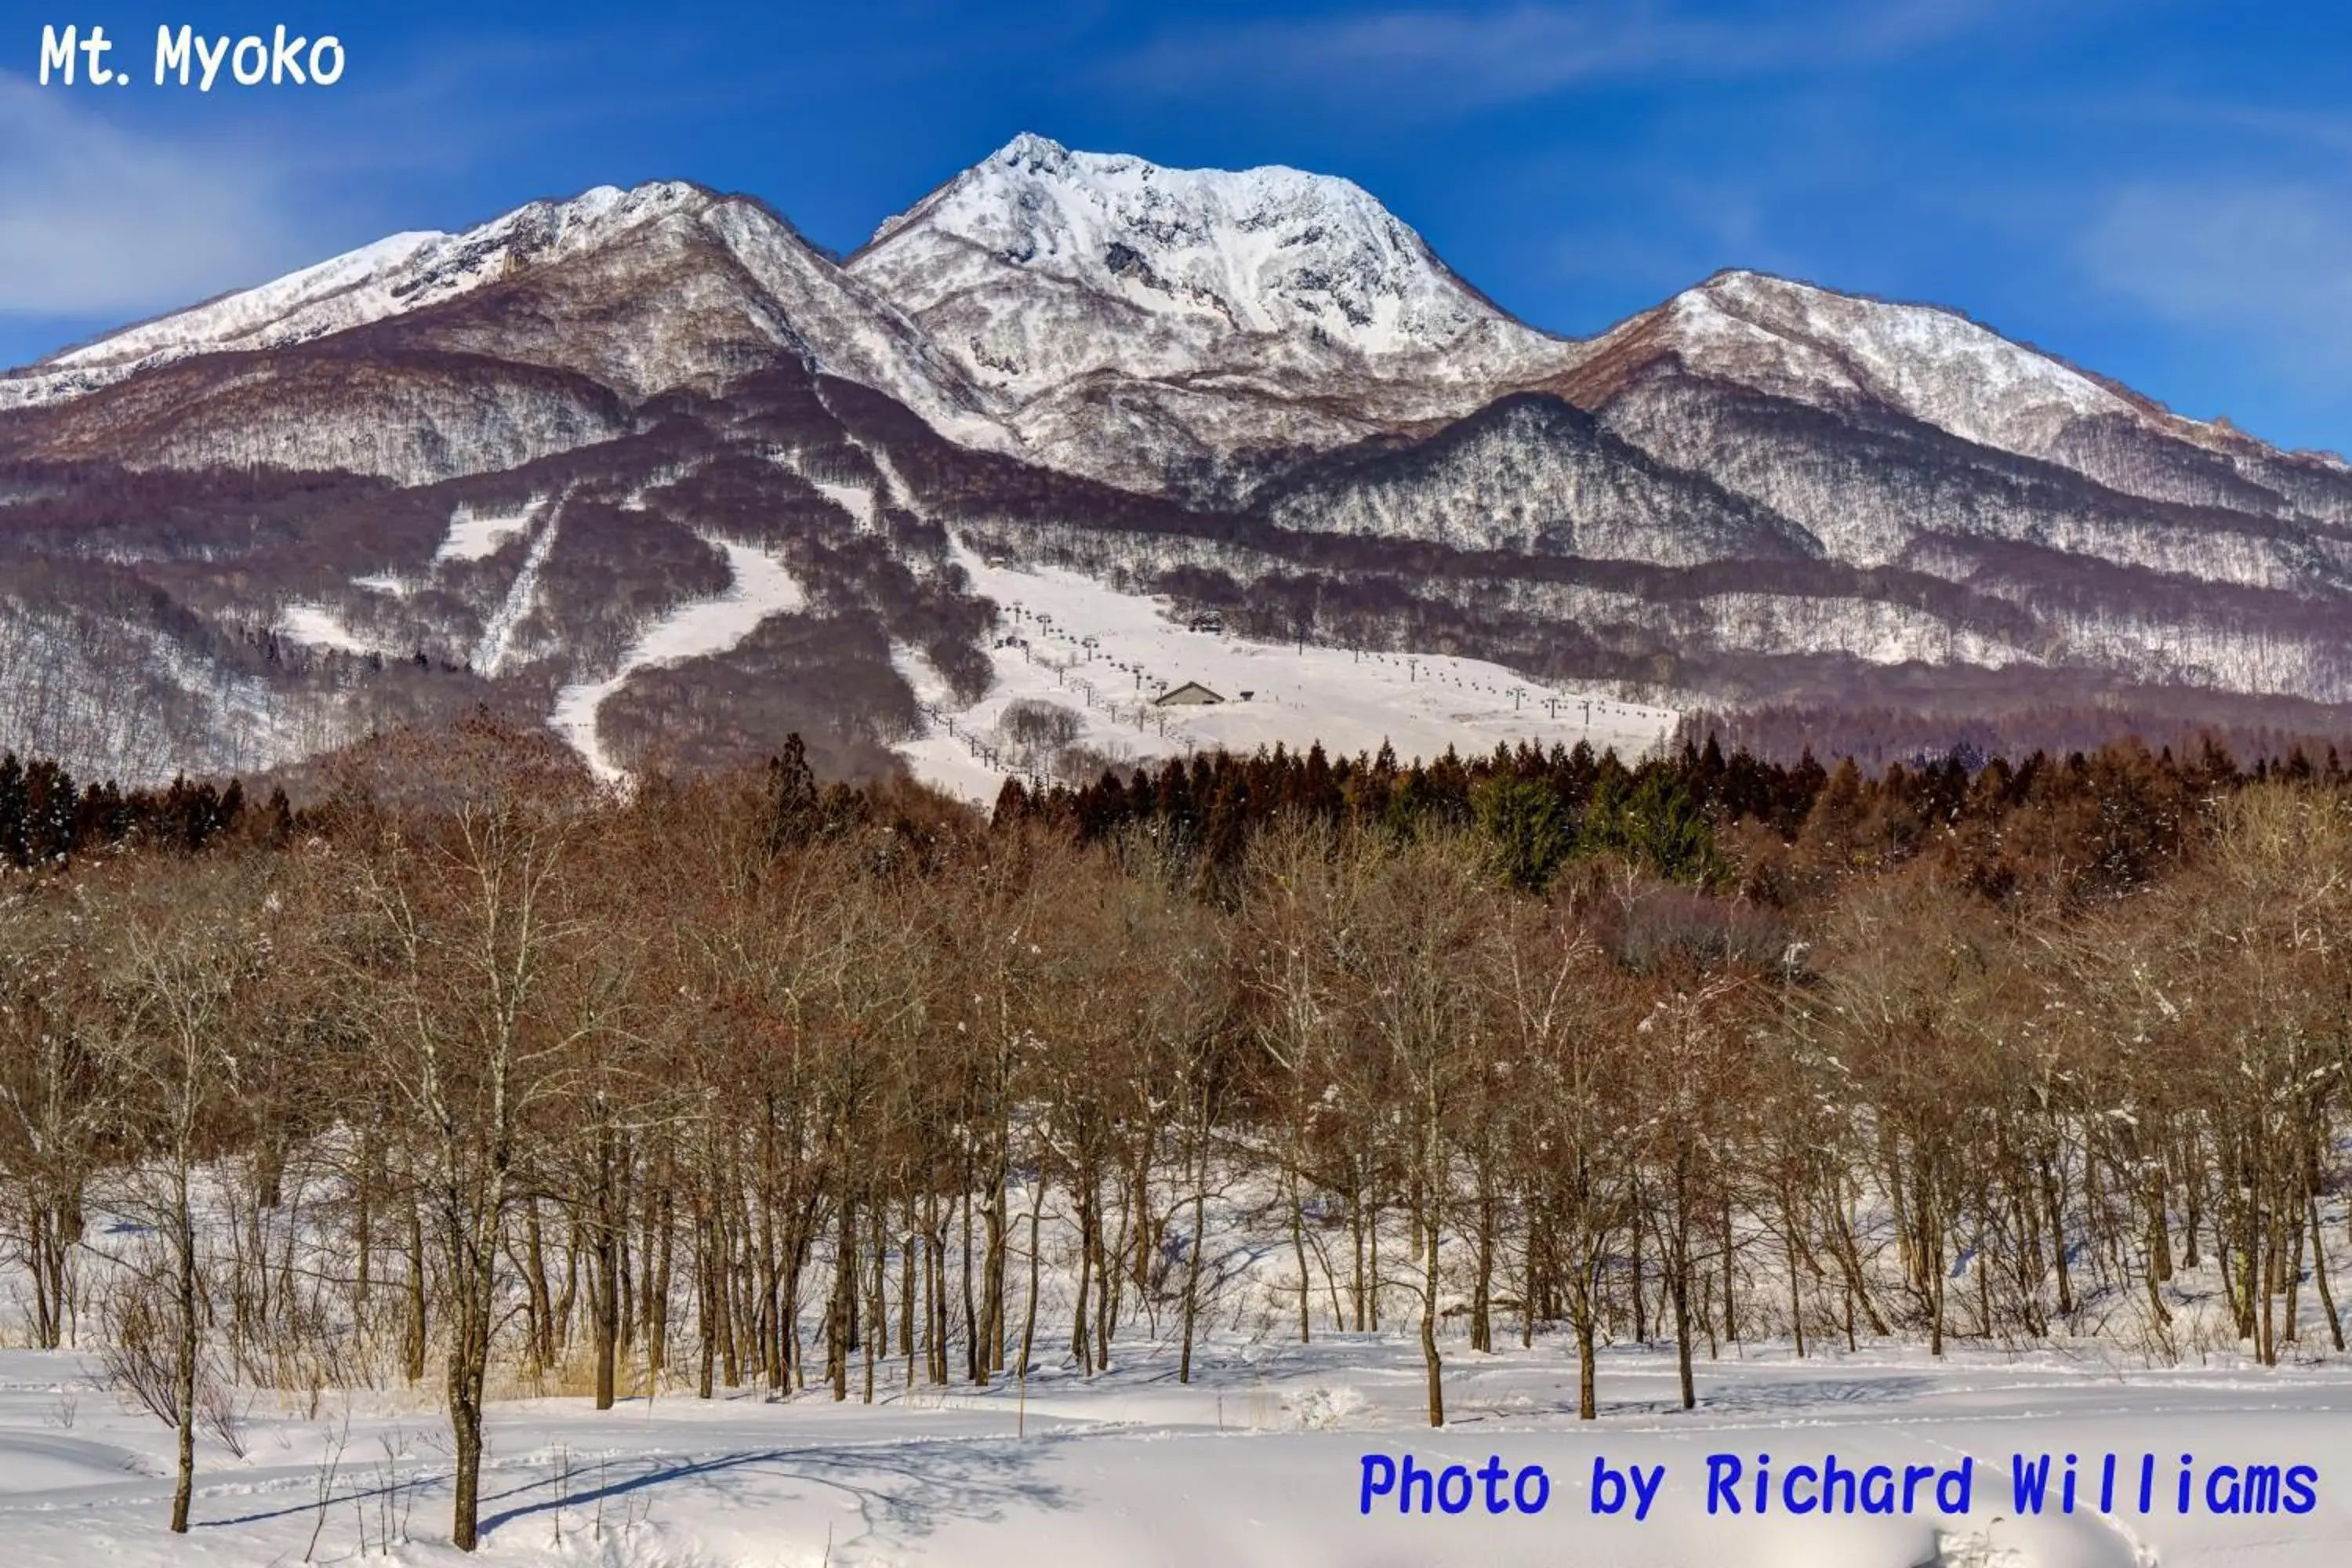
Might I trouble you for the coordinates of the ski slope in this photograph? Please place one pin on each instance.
(760, 587)
(1068, 639)
(490, 651)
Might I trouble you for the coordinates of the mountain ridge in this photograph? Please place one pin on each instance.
(704, 478)
(1582, 367)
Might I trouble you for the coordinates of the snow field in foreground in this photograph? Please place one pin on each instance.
(1352, 701)
(1260, 1461)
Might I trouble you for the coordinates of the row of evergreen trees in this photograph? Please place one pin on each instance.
(46, 819)
(2104, 821)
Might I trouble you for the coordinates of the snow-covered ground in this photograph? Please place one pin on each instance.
(857, 500)
(319, 626)
(1262, 1461)
(476, 536)
(1265, 1459)
(1107, 656)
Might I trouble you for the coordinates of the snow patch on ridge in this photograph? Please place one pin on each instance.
(319, 626)
(404, 272)
(1934, 365)
(857, 500)
(476, 536)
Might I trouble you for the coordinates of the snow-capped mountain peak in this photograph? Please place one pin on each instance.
(1934, 365)
(1171, 264)
(1131, 321)
(389, 277)
(660, 412)
(639, 292)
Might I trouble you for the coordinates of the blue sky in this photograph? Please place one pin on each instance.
(2160, 191)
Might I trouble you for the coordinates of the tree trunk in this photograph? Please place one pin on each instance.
(605, 1276)
(2319, 1275)
(1356, 1234)
(1029, 1311)
(876, 1340)
(1298, 1250)
(1482, 1331)
(980, 1360)
(183, 1384)
(656, 1300)
(709, 1294)
(1796, 1299)
(1679, 1269)
(2052, 1198)
(574, 1247)
(2294, 1311)
(1588, 1398)
(1730, 1309)
(1641, 1310)
(466, 1429)
(1930, 1252)
(473, 1282)
(1192, 1263)
(542, 1328)
(907, 1296)
(413, 1341)
(841, 1331)
(1079, 1349)
(1431, 1365)
(1000, 1240)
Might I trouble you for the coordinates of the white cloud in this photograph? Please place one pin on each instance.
(2270, 264)
(1449, 61)
(99, 219)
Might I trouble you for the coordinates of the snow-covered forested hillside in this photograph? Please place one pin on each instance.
(249, 532)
